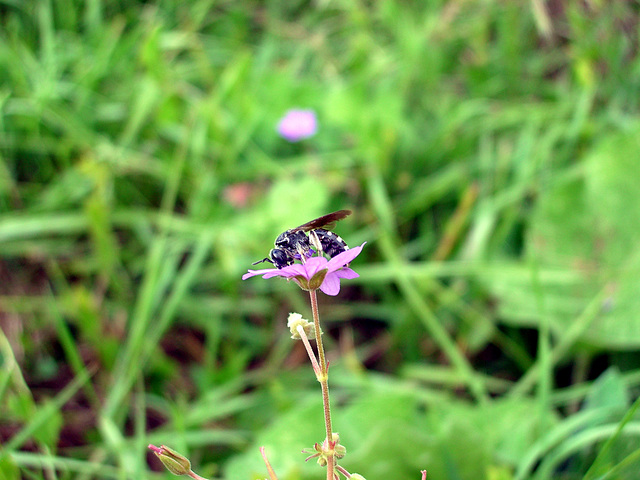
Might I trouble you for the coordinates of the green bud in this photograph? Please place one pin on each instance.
(172, 460)
(356, 476)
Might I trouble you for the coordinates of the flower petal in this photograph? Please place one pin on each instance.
(314, 265)
(287, 272)
(346, 273)
(253, 273)
(331, 285)
(345, 257)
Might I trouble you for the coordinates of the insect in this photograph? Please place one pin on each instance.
(294, 243)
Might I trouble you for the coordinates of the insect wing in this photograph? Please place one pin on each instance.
(327, 221)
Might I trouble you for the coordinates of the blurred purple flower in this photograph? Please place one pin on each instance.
(316, 272)
(297, 125)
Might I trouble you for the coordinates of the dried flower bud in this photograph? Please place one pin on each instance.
(296, 319)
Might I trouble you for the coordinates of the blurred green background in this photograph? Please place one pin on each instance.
(489, 151)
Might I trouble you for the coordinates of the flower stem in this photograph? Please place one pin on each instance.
(272, 473)
(195, 476)
(323, 378)
(343, 471)
(312, 356)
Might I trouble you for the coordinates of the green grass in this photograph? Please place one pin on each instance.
(488, 150)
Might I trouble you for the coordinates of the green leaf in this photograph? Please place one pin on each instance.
(584, 236)
(283, 440)
(49, 431)
(609, 390)
(391, 435)
(8, 469)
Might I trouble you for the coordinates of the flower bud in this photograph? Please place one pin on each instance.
(356, 476)
(340, 450)
(172, 460)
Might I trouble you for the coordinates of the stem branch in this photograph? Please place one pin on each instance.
(312, 356)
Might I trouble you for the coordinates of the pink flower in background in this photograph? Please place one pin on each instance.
(297, 125)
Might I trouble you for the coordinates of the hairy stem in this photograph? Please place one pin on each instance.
(323, 378)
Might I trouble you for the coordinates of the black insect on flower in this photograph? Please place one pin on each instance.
(296, 244)
(316, 272)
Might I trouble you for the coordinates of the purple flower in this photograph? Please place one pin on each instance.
(297, 125)
(316, 272)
